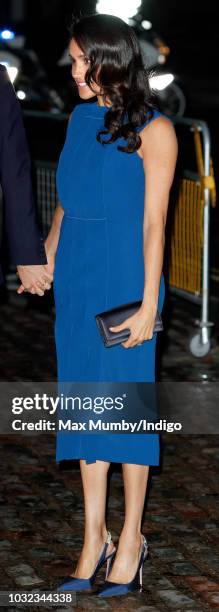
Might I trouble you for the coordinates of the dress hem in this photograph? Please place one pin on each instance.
(88, 461)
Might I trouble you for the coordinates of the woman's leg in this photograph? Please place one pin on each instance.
(126, 561)
(94, 481)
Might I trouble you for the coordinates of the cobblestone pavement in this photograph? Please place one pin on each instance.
(41, 504)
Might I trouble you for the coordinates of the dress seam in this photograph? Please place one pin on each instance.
(107, 264)
(71, 302)
(93, 117)
(107, 238)
(86, 218)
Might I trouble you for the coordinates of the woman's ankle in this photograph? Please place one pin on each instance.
(96, 534)
(130, 535)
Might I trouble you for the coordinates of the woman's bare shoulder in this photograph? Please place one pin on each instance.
(158, 124)
(159, 135)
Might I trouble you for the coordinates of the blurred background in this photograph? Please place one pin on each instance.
(179, 44)
(40, 535)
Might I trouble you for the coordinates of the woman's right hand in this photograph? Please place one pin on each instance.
(34, 279)
(49, 269)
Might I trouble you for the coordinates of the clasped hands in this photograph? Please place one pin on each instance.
(36, 279)
(141, 326)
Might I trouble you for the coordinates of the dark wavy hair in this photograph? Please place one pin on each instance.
(116, 65)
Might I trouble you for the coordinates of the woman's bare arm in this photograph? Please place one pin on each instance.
(52, 239)
(159, 149)
(51, 244)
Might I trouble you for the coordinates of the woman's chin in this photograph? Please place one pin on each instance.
(85, 94)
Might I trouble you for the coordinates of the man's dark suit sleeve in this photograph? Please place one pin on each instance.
(26, 244)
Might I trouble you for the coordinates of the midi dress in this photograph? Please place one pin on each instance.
(99, 265)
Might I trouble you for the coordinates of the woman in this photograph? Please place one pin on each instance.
(107, 240)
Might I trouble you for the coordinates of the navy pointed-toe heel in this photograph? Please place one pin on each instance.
(111, 589)
(72, 583)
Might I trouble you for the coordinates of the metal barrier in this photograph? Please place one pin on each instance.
(188, 271)
(188, 266)
(46, 193)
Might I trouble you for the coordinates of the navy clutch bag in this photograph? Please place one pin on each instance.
(115, 316)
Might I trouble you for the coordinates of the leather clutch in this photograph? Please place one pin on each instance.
(115, 316)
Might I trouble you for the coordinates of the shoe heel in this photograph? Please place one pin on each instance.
(115, 589)
(140, 575)
(109, 564)
(145, 555)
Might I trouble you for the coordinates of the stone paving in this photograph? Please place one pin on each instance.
(41, 503)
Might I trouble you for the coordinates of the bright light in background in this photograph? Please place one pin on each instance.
(12, 71)
(11, 63)
(119, 9)
(161, 81)
(21, 94)
(161, 58)
(147, 25)
(7, 34)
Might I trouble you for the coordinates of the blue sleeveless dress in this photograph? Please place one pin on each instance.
(99, 265)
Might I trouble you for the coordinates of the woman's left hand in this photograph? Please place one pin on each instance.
(141, 326)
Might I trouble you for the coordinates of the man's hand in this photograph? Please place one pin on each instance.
(35, 279)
